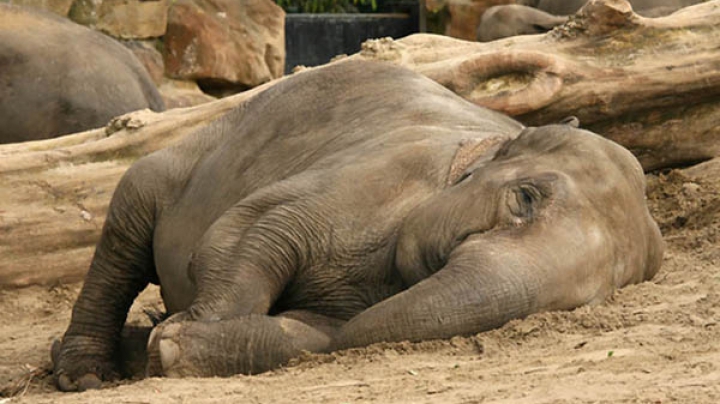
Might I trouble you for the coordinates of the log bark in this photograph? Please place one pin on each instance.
(653, 85)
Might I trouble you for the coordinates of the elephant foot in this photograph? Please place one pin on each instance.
(247, 345)
(164, 351)
(76, 368)
(167, 333)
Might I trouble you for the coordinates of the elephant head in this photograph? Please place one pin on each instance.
(556, 219)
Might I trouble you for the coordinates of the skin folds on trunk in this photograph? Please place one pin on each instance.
(470, 294)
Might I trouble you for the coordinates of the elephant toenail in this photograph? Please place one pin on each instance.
(65, 384)
(88, 382)
(169, 353)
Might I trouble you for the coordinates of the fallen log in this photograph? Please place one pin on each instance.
(651, 84)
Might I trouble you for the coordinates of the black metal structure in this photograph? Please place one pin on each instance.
(314, 39)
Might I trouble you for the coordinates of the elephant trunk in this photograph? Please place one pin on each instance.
(479, 288)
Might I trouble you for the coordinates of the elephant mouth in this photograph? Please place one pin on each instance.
(438, 262)
(463, 237)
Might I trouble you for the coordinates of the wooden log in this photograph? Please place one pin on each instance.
(652, 85)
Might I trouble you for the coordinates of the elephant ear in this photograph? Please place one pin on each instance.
(469, 151)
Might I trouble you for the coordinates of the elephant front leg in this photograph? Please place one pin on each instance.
(249, 344)
(121, 267)
(247, 258)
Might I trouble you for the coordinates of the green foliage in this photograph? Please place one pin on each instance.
(324, 6)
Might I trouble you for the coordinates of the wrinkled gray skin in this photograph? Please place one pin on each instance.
(354, 204)
(57, 77)
(646, 8)
(536, 17)
(511, 20)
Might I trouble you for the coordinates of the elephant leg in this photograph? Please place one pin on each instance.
(243, 263)
(121, 268)
(249, 344)
(131, 355)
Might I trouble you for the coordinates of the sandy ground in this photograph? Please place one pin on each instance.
(657, 342)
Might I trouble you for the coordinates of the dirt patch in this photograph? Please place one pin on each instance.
(653, 343)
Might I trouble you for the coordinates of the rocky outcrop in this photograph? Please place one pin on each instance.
(225, 43)
(127, 19)
(182, 94)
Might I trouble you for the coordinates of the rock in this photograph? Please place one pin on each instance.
(465, 16)
(182, 94)
(60, 7)
(127, 19)
(225, 43)
(150, 57)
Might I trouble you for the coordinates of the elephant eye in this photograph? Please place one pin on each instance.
(525, 196)
(525, 201)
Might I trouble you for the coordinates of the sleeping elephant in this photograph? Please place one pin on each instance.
(57, 77)
(351, 204)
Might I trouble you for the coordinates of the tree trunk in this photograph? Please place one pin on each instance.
(653, 85)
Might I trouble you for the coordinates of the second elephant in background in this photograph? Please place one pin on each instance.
(504, 21)
(529, 17)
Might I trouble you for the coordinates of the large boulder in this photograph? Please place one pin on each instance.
(182, 94)
(127, 19)
(225, 43)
